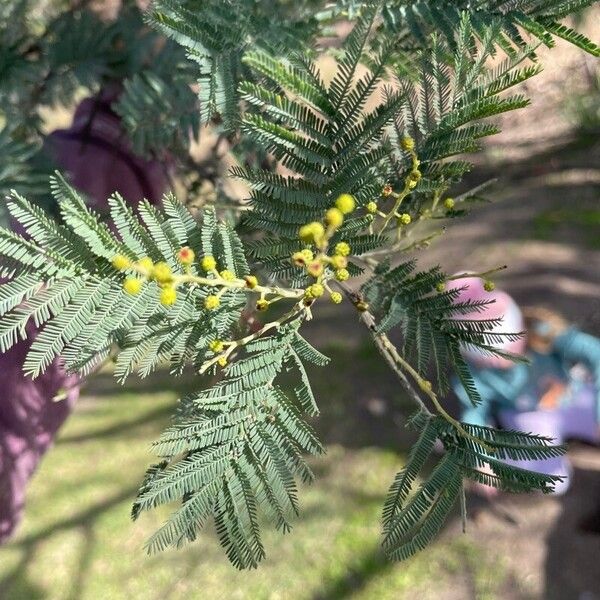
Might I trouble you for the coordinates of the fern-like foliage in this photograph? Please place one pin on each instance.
(412, 518)
(413, 21)
(356, 163)
(216, 34)
(77, 306)
(235, 450)
(432, 323)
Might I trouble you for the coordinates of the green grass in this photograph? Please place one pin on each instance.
(77, 541)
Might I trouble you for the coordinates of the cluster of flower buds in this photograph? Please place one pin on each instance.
(317, 261)
(410, 183)
(146, 269)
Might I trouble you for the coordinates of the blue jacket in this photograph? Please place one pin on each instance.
(521, 386)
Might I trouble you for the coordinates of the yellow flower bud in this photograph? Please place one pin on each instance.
(317, 290)
(132, 285)
(449, 203)
(342, 274)
(262, 304)
(212, 302)
(251, 281)
(405, 219)
(208, 263)
(307, 255)
(168, 296)
(216, 346)
(339, 262)
(120, 262)
(312, 232)
(440, 287)
(345, 203)
(371, 207)
(222, 361)
(162, 272)
(489, 286)
(145, 264)
(335, 297)
(186, 256)
(407, 143)
(227, 275)
(342, 249)
(334, 217)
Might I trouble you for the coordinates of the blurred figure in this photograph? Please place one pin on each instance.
(96, 156)
(556, 395)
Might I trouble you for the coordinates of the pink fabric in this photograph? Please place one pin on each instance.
(502, 307)
(98, 160)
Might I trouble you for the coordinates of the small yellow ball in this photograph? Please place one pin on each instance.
(162, 272)
(489, 286)
(262, 304)
(371, 208)
(317, 290)
(120, 262)
(216, 346)
(449, 203)
(407, 143)
(208, 263)
(339, 262)
(312, 232)
(345, 203)
(334, 217)
(342, 274)
(251, 281)
(222, 361)
(168, 296)
(186, 256)
(405, 219)
(342, 249)
(211, 302)
(145, 264)
(441, 287)
(227, 275)
(132, 285)
(335, 297)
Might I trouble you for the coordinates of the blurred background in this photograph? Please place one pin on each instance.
(77, 540)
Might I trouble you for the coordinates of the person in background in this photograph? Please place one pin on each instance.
(96, 156)
(556, 395)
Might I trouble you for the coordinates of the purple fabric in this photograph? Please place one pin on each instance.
(98, 160)
(575, 420)
(29, 418)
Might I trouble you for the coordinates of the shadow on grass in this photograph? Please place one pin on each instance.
(15, 585)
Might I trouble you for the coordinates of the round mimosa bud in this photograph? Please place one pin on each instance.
(168, 296)
(132, 285)
(208, 263)
(186, 256)
(345, 203)
(212, 302)
(120, 262)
